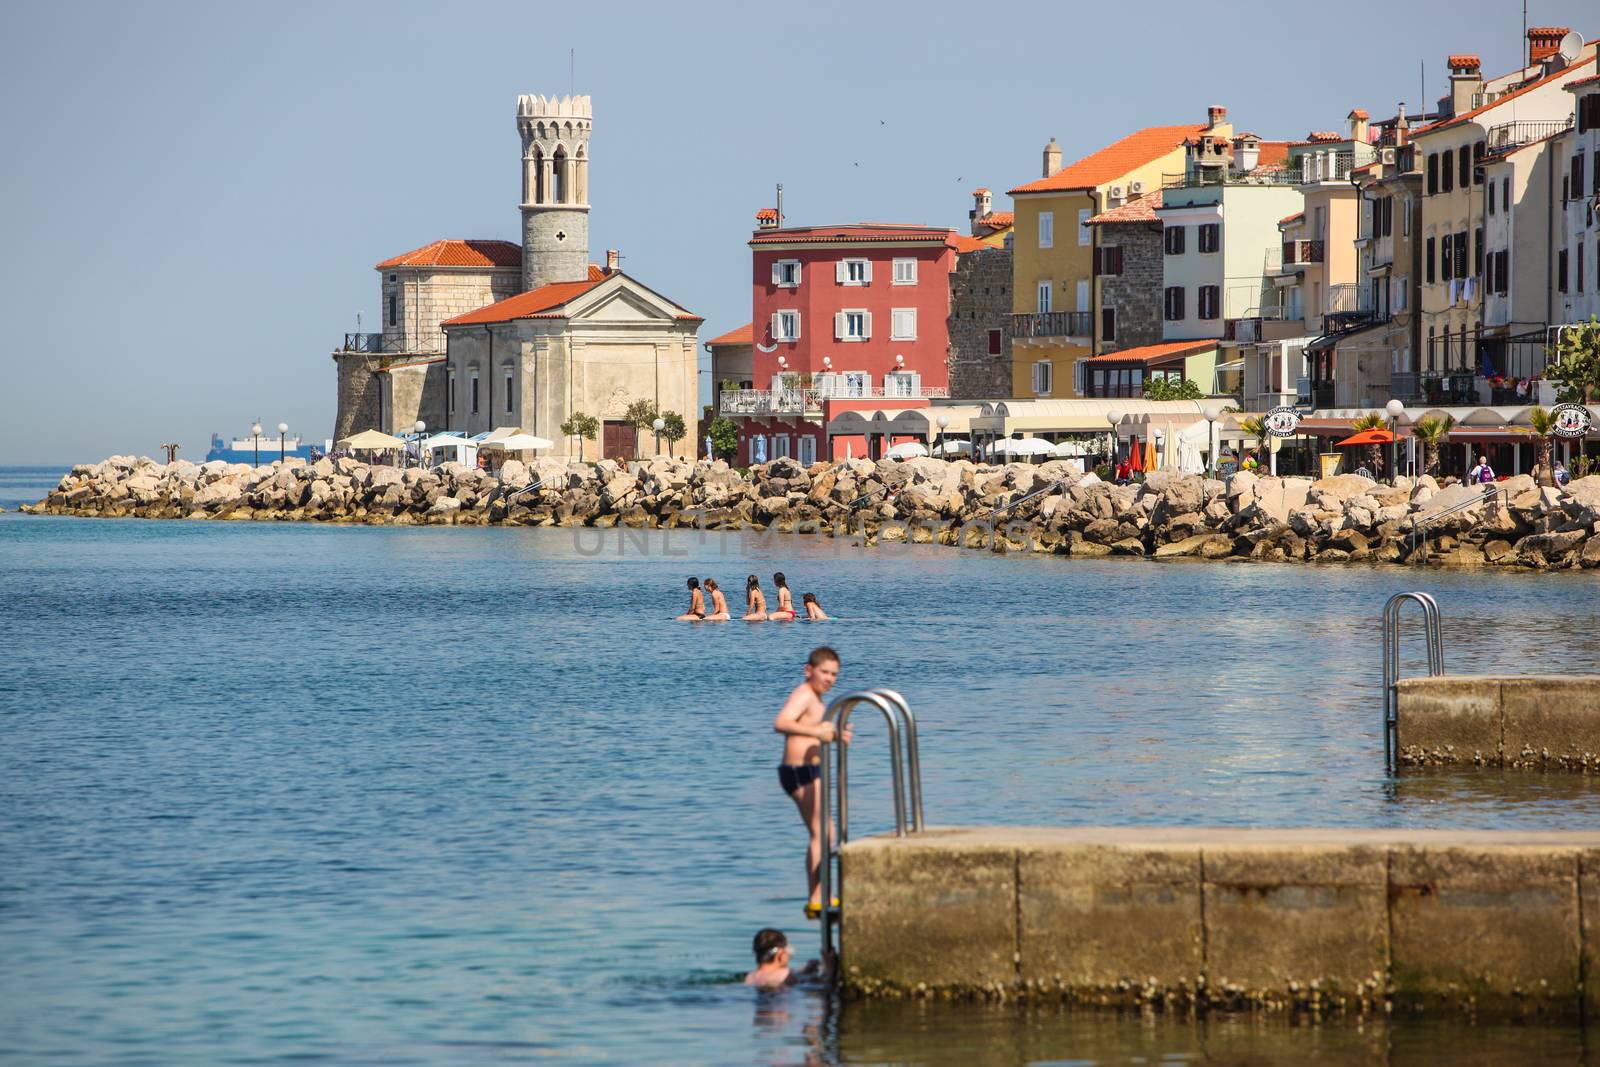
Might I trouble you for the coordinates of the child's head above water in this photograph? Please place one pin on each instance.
(769, 944)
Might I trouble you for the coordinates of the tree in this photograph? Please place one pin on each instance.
(583, 427)
(1372, 420)
(640, 413)
(724, 434)
(1167, 389)
(1574, 363)
(1542, 422)
(675, 429)
(1432, 432)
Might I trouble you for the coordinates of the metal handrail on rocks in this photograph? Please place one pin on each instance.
(1059, 483)
(1419, 527)
(512, 497)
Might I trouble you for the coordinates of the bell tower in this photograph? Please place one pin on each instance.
(555, 188)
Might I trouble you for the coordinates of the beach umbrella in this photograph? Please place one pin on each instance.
(1367, 437)
(1071, 448)
(1169, 449)
(1150, 454)
(906, 450)
(954, 448)
(519, 442)
(371, 441)
(1135, 456)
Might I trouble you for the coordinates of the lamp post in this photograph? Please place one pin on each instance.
(659, 425)
(283, 432)
(942, 421)
(1212, 414)
(1395, 410)
(1114, 418)
(255, 431)
(419, 428)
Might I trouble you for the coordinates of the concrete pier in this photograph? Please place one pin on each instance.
(1498, 922)
(1548, 721)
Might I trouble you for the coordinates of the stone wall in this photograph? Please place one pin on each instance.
(1137, 292)
(980, 301)
(547, 257)
(1551, 721)
(1324, 920)
(427, 296)
(358, 391)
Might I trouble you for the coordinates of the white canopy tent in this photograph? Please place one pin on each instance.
(450, 447)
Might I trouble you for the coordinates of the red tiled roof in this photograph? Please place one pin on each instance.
(1475, 112)
(998, 219)
(1140, 210)
(1590, 80)
(1291, 218)
(1115, 160)
(742, 335)
(1466, 59)
(535, 303)
(458, 253)
(854, 233)
(1358, 113)
(980, 191)
(1323, 135)
(1548, 31)
(964, 244)
(1273, 154)
(1148, 354)
(766, 213)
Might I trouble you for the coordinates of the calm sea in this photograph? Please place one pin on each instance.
(277, 793)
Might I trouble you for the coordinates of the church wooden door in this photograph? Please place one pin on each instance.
(620, 440)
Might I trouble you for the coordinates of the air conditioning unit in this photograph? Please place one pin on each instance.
(1136, 188)
(1387, 156)
(1115, 192)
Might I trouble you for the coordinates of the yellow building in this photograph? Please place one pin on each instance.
(1053, 245)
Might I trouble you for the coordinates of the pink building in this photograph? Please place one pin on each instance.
(849, 328)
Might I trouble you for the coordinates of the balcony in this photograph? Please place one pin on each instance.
(1300, 253)
(1405, 385)
(1512, 134)
(375, 344)
(1215, 176)
(1053, 324)
(1323, 167)
(808, 400)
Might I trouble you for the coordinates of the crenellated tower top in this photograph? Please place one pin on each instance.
(555, 187)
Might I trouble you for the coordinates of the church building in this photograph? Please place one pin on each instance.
(485, 334)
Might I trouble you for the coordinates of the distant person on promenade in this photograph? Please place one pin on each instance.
(814, 612)
(800, 721)
(755, 601)
(697, 604)
(785, 610)
(1482, 474)
(1543, 474)
(772, 963)
(719, 603)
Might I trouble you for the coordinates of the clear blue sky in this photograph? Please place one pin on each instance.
(194, 194)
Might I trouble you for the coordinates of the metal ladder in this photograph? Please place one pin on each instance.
(1419, 530)
(1391, 661)
(516, 494)
(902, 725)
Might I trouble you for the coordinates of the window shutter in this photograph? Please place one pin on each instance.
(777, 272)
(777, 326)
(795, 333)
(841, 272)
(866, 324)
(838, 325)
(1178, 294)
(1083, 295)
(916, 384)
(1035, 382)
(1098, 256)
(866, 270)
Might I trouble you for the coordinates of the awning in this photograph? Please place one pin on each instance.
(1149, 355)
(1233, 364)
(371, 441)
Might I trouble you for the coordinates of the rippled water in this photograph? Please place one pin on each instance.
(277, 792)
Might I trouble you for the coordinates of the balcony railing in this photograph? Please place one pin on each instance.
(809, 400)
(375, 344)
(1245, 330)
(1405, 385)
(1321, 167)
(1512, 134)
(1052, 324)
(1216, 176)
(1299, 253)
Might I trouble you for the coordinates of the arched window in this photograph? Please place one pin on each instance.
(538, 177)
(559, 177)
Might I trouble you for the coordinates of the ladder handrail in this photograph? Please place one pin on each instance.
(511, 498)
(913, 763)
(1434, 634)
(1419, 526)
(1008, 505)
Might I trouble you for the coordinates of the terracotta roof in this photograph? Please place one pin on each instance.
(535, 303)
(855, 233)
(1466, 59)
(963, 243)
(766, 213)
(1475, 112)
(1115, 160)
(1358, 113)
(458, 253)
(998, 219)
(1590, 80)
(742, 335)
(1291, 218)
(1273, 153)
(1148, 354)
(981, 191)
(1548, 31)
(1140, 210)
(1323, 135)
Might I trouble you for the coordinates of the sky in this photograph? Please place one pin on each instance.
(195, 194)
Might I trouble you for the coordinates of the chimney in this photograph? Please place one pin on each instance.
(1544, 42)
(1246, 152)
(613, 256)
(1216, 115)
(1466, 81)
(767, 219)
(1402, 126)
(1358, 124)
(1052, 158)
(982, 200)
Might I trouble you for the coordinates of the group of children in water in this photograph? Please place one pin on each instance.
(755, 603)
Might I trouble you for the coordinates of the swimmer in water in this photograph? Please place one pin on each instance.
(719, 603)
(801, 723)
(814, 612)
(755, 600)
(773, 955)
(785, 609)
(697, 604)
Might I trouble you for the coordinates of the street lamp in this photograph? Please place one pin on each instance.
(1114, 417)
(255, 431)
(659, 425)
(943, 421)
(1212, 414)
(1395, 410)
(419, 428)
(283, 432)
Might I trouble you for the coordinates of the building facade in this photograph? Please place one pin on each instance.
(1578, 227)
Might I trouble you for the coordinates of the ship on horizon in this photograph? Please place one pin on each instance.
(244, 450)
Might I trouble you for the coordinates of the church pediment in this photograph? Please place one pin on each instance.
(622, 300)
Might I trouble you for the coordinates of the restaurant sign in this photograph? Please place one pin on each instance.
(1282, 421)
(1569, 420)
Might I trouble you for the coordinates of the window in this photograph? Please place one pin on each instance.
(1433, 173)
(902, 383)
(1397, 299)
(1447, 257)
(1085, 233)
(1108, 324)
(852, 272)
(1047, 229)
(1477, 251)
(852, 325)
(1577, 175)
(1044, 296)
(1461, 254)
(1174, 303)
(451, 391)
(1431, 330)
(1447, 173)
(994, 342)
(1210, 236)
(780, 446)
(1578, 288)
(1427, 261)
(1491, 197)
(1174, 240)
(1108, 260)
(1505, 193)
(1464, 171)
(903, 324)
(1561, 271)
(786, 326)
(1477, 164)
(1042, 377)
(1502, 271)
(508, 390)
(1319, 222)
(1209, 299)
(786, 273)
(905, 272)
(1405, 216)
(393, 318)
(1083, 295)
(473, 392)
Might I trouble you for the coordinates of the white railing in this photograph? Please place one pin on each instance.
(809, 400)
(1326, 166)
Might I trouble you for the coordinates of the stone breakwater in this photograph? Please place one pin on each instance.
(1018, 507)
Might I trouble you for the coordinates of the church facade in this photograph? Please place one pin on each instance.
(486, 334)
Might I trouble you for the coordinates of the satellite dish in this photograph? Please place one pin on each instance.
(1571, 46)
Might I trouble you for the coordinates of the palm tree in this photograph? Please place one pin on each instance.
(1542, 423)
(1432, 432)
(1372, 420)
(1255, 427)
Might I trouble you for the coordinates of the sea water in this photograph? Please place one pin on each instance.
(278, 793)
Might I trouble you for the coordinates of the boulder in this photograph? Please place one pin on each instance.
(514, 474)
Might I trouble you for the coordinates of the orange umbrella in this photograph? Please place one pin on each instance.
(1150, 453)
(1367, 437)
(1135, 457)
